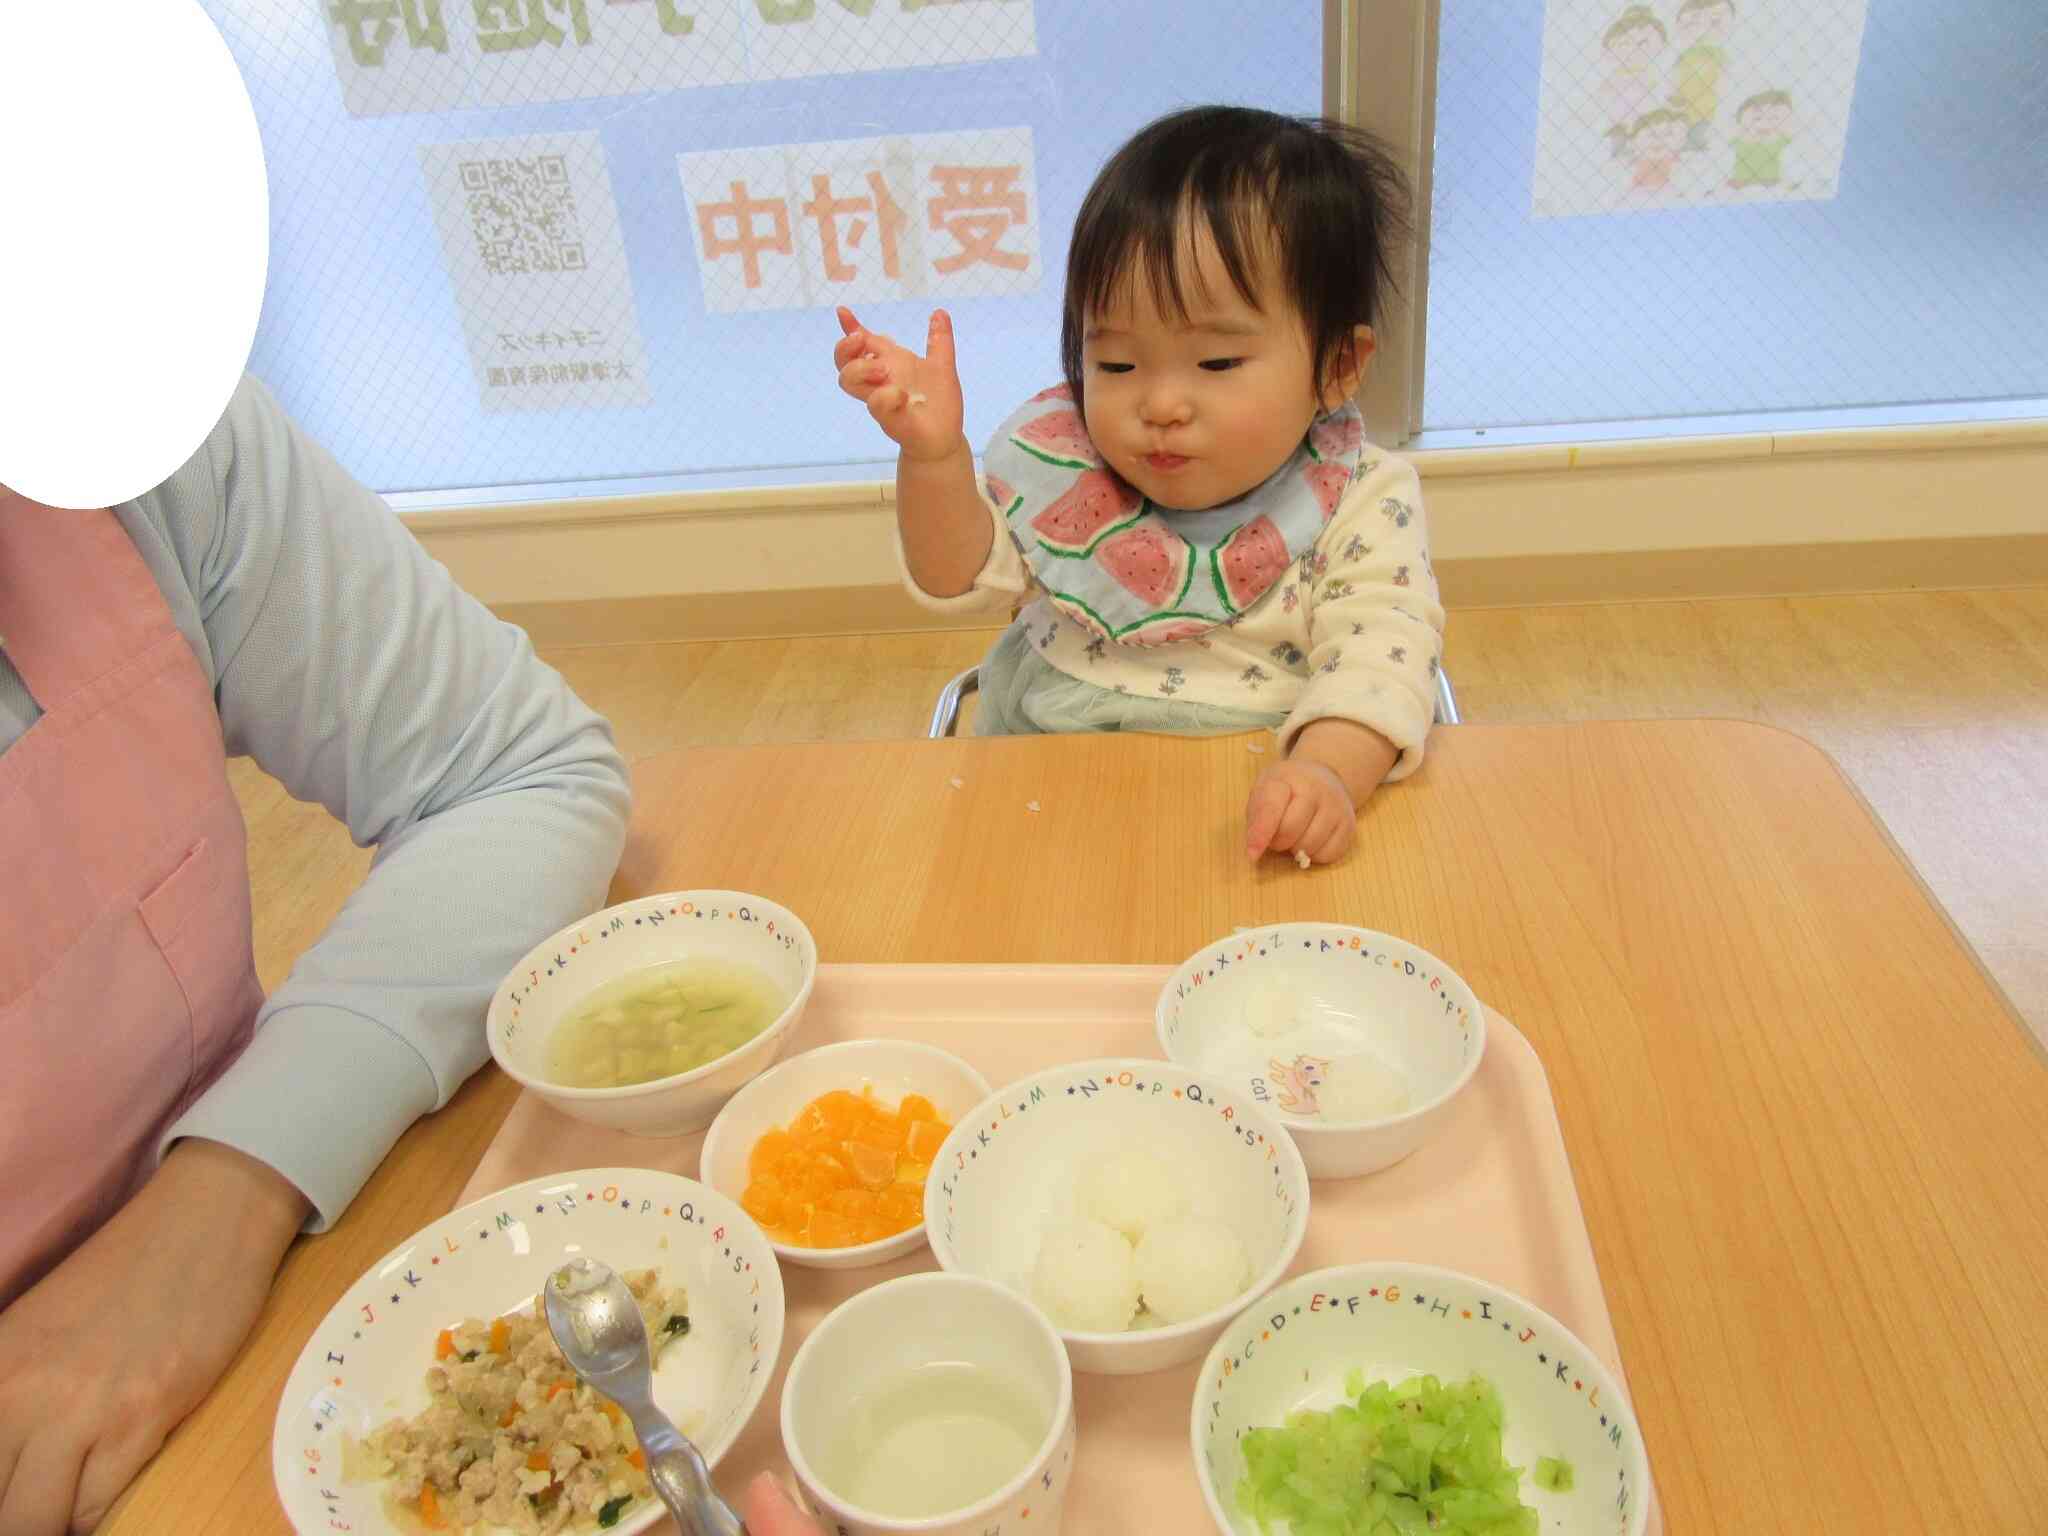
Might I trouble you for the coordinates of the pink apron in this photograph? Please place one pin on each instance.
(127, 981)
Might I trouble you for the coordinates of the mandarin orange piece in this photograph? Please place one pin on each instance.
(811, 1121)
(872, 1229)
(836, 1168)
(763, 1202)
(858, 1204)
(916, 1106)
(873, 1167)
(885, 1135)
(925, 1139)
(912, 1172)
(772, 1146)
(901, 1203)
(829, 1229)
(809, 1143)
(798, 1222)
(840, 1110)
(823, 1182)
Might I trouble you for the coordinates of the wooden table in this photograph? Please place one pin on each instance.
(1810, 1136)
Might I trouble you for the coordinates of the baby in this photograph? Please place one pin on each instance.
(1212, 544)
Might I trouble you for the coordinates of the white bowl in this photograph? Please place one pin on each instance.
(894, 1328)
(1008, 1172)
(367, 1360)
(1292, 1350)
(892, 1067)
(1355, 993)
(561, 971)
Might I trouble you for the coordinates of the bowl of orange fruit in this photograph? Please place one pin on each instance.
(829, 1151)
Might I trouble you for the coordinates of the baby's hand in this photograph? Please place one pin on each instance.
(916, 400)
(1299, 806)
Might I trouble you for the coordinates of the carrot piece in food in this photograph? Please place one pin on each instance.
(430, 1508)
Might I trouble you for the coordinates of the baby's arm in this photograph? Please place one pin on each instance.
(941, 516)
(1358, 755)
(1375, 636)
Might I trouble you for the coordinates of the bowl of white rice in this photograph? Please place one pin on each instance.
(1356, 1041)
(1138, 1204)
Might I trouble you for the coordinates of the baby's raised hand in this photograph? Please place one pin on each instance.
(916, 400)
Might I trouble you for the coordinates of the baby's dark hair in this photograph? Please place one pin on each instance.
(1328, 198)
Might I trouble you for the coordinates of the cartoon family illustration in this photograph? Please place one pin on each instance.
(1652, 117)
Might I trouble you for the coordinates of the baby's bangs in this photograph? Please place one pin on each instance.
(1161, 242)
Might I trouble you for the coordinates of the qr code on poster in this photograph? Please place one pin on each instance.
(523, 214)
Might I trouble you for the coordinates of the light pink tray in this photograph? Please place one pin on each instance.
(1491, 1195)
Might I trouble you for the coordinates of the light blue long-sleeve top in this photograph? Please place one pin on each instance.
(351, 667)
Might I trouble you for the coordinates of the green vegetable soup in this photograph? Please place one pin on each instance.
(662, 1020)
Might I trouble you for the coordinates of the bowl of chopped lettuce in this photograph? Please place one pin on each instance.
(433, 1397)
(1386, 1399)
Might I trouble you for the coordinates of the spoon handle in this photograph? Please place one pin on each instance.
(677, 1470)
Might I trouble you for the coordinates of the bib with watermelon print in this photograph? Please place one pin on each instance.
(1125, 569)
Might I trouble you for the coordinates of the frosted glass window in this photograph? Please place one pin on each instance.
(535, 246)
(1704, 207)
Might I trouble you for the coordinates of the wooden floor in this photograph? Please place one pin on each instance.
(1934, 704)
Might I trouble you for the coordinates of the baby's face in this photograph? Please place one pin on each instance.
(1708, 26)
(1637, 46)
(1196, 410)
(1767, 121)
(1665, 138)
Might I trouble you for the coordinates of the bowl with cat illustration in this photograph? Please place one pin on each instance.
(1356, 1041)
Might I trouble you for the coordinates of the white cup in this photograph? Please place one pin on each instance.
(975, 1333)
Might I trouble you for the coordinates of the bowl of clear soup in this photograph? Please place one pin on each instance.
(646, 1017)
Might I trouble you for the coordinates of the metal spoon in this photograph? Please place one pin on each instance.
(597, 1324)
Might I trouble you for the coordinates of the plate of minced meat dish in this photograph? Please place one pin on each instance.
(433, 1398)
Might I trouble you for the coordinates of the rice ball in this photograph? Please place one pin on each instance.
(1362, 1088)
(1190, 1266)
(1132, 1191)
(1086, 1279)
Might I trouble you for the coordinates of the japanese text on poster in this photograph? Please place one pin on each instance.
(939, 215)
(397, 56)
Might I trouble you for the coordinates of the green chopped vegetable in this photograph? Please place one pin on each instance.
(469, 1355)
(1419, 1459)
(677, 1325)
(1553, 1473)
(608, 1514)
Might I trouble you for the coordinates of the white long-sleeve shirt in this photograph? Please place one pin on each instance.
(349, 665)
(1353, 632)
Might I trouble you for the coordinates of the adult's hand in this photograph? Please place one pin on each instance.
(768, 1511)
(101, 1358)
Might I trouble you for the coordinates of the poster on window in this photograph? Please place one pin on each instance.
(935, 216)
(1691, 103)
(401, 56)
(531, 241)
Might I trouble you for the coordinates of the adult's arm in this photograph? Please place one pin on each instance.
(351, 667)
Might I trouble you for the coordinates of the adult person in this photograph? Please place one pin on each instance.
(166, 1130)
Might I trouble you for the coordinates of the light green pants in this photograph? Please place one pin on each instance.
(1023, 694)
